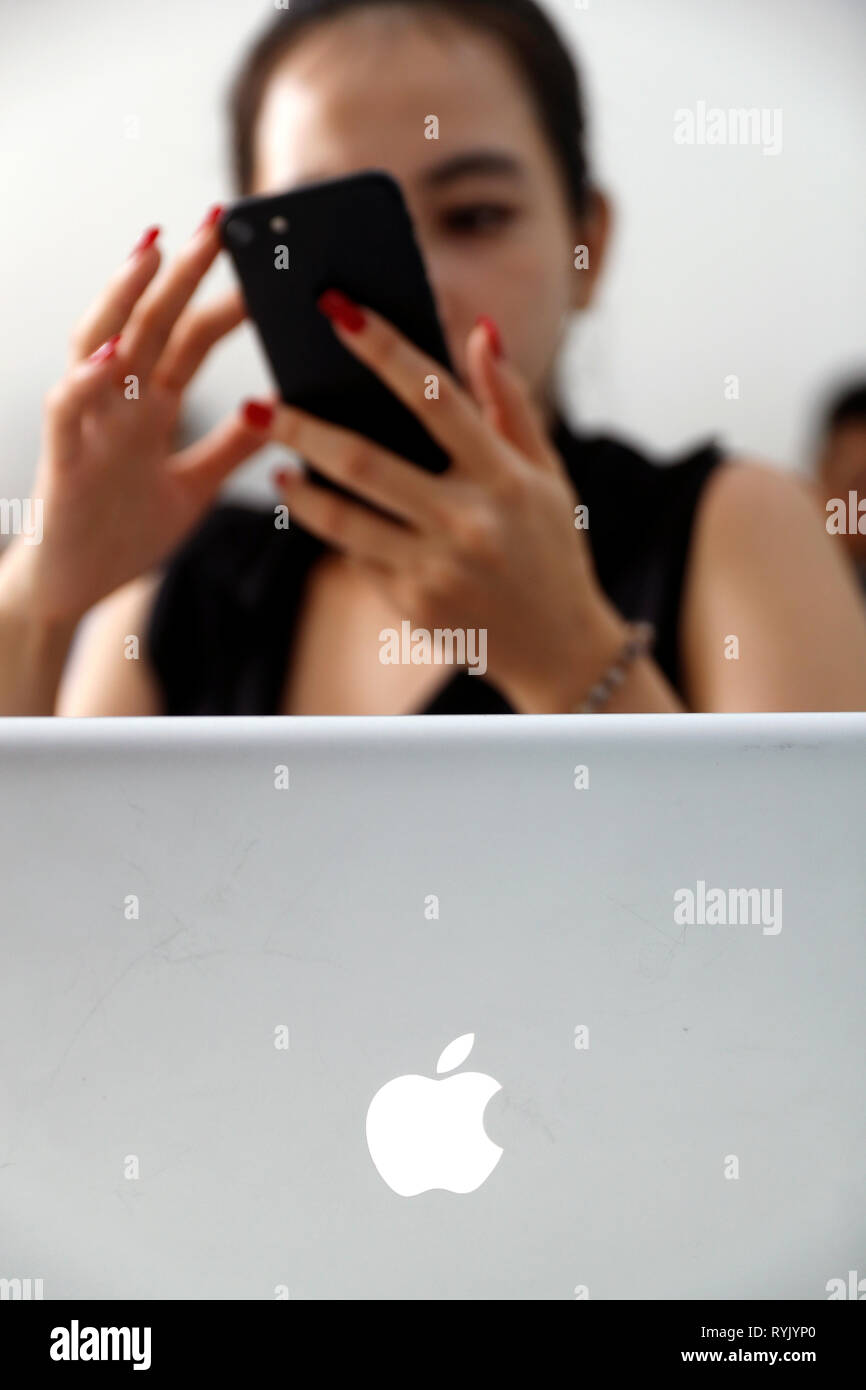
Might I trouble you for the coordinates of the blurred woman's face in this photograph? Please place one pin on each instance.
(487, 197)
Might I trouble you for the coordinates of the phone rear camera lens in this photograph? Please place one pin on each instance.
(239, 232)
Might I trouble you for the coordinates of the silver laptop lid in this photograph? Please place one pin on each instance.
(506, 1007)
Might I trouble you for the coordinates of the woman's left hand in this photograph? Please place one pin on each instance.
(489, 544)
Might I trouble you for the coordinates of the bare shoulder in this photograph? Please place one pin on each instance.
(771, 617)
(745, 498)
(108, 671)
(755, 522)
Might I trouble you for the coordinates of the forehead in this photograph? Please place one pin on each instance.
(359, 91)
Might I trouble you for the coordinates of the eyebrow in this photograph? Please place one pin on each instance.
(472, 162)
(459, 166)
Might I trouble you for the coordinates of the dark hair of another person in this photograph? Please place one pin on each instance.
(546, 66)
(846, 406)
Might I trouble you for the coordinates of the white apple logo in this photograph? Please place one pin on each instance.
(425, 1134)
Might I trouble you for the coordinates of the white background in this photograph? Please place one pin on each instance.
(725, 260)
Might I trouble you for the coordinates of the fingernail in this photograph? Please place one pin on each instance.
(258, 414)
(211, 217)
(282, 477)
(146, 239)
(107, 349)
(493, 334)
(340, 309)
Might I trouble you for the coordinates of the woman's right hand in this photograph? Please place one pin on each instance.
(115, 499)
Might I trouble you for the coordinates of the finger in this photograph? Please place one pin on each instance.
(196, 332)
(363, 467)
(84, 385)
(158, 310)
(453, 419)
(501, 390)
(208, 462)
(350, 527)
(108, 314)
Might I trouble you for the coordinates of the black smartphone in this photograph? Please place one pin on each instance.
(353, 234)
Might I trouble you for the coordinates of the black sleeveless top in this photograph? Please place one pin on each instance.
(221, 628)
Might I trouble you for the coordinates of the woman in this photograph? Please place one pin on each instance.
(749, 605)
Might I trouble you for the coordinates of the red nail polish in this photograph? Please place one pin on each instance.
(285, 478)
(107, 350)
(340, 309)
(493, 334)
(146, 239)
(211, 217)
(258, 414)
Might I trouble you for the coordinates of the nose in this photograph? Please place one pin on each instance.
(449, 318)
(445, 296)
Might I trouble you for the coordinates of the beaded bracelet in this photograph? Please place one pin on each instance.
(641, 641)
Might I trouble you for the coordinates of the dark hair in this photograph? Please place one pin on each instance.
(846, 406)
(547, 67)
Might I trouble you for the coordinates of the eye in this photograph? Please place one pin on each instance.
(472, 218)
